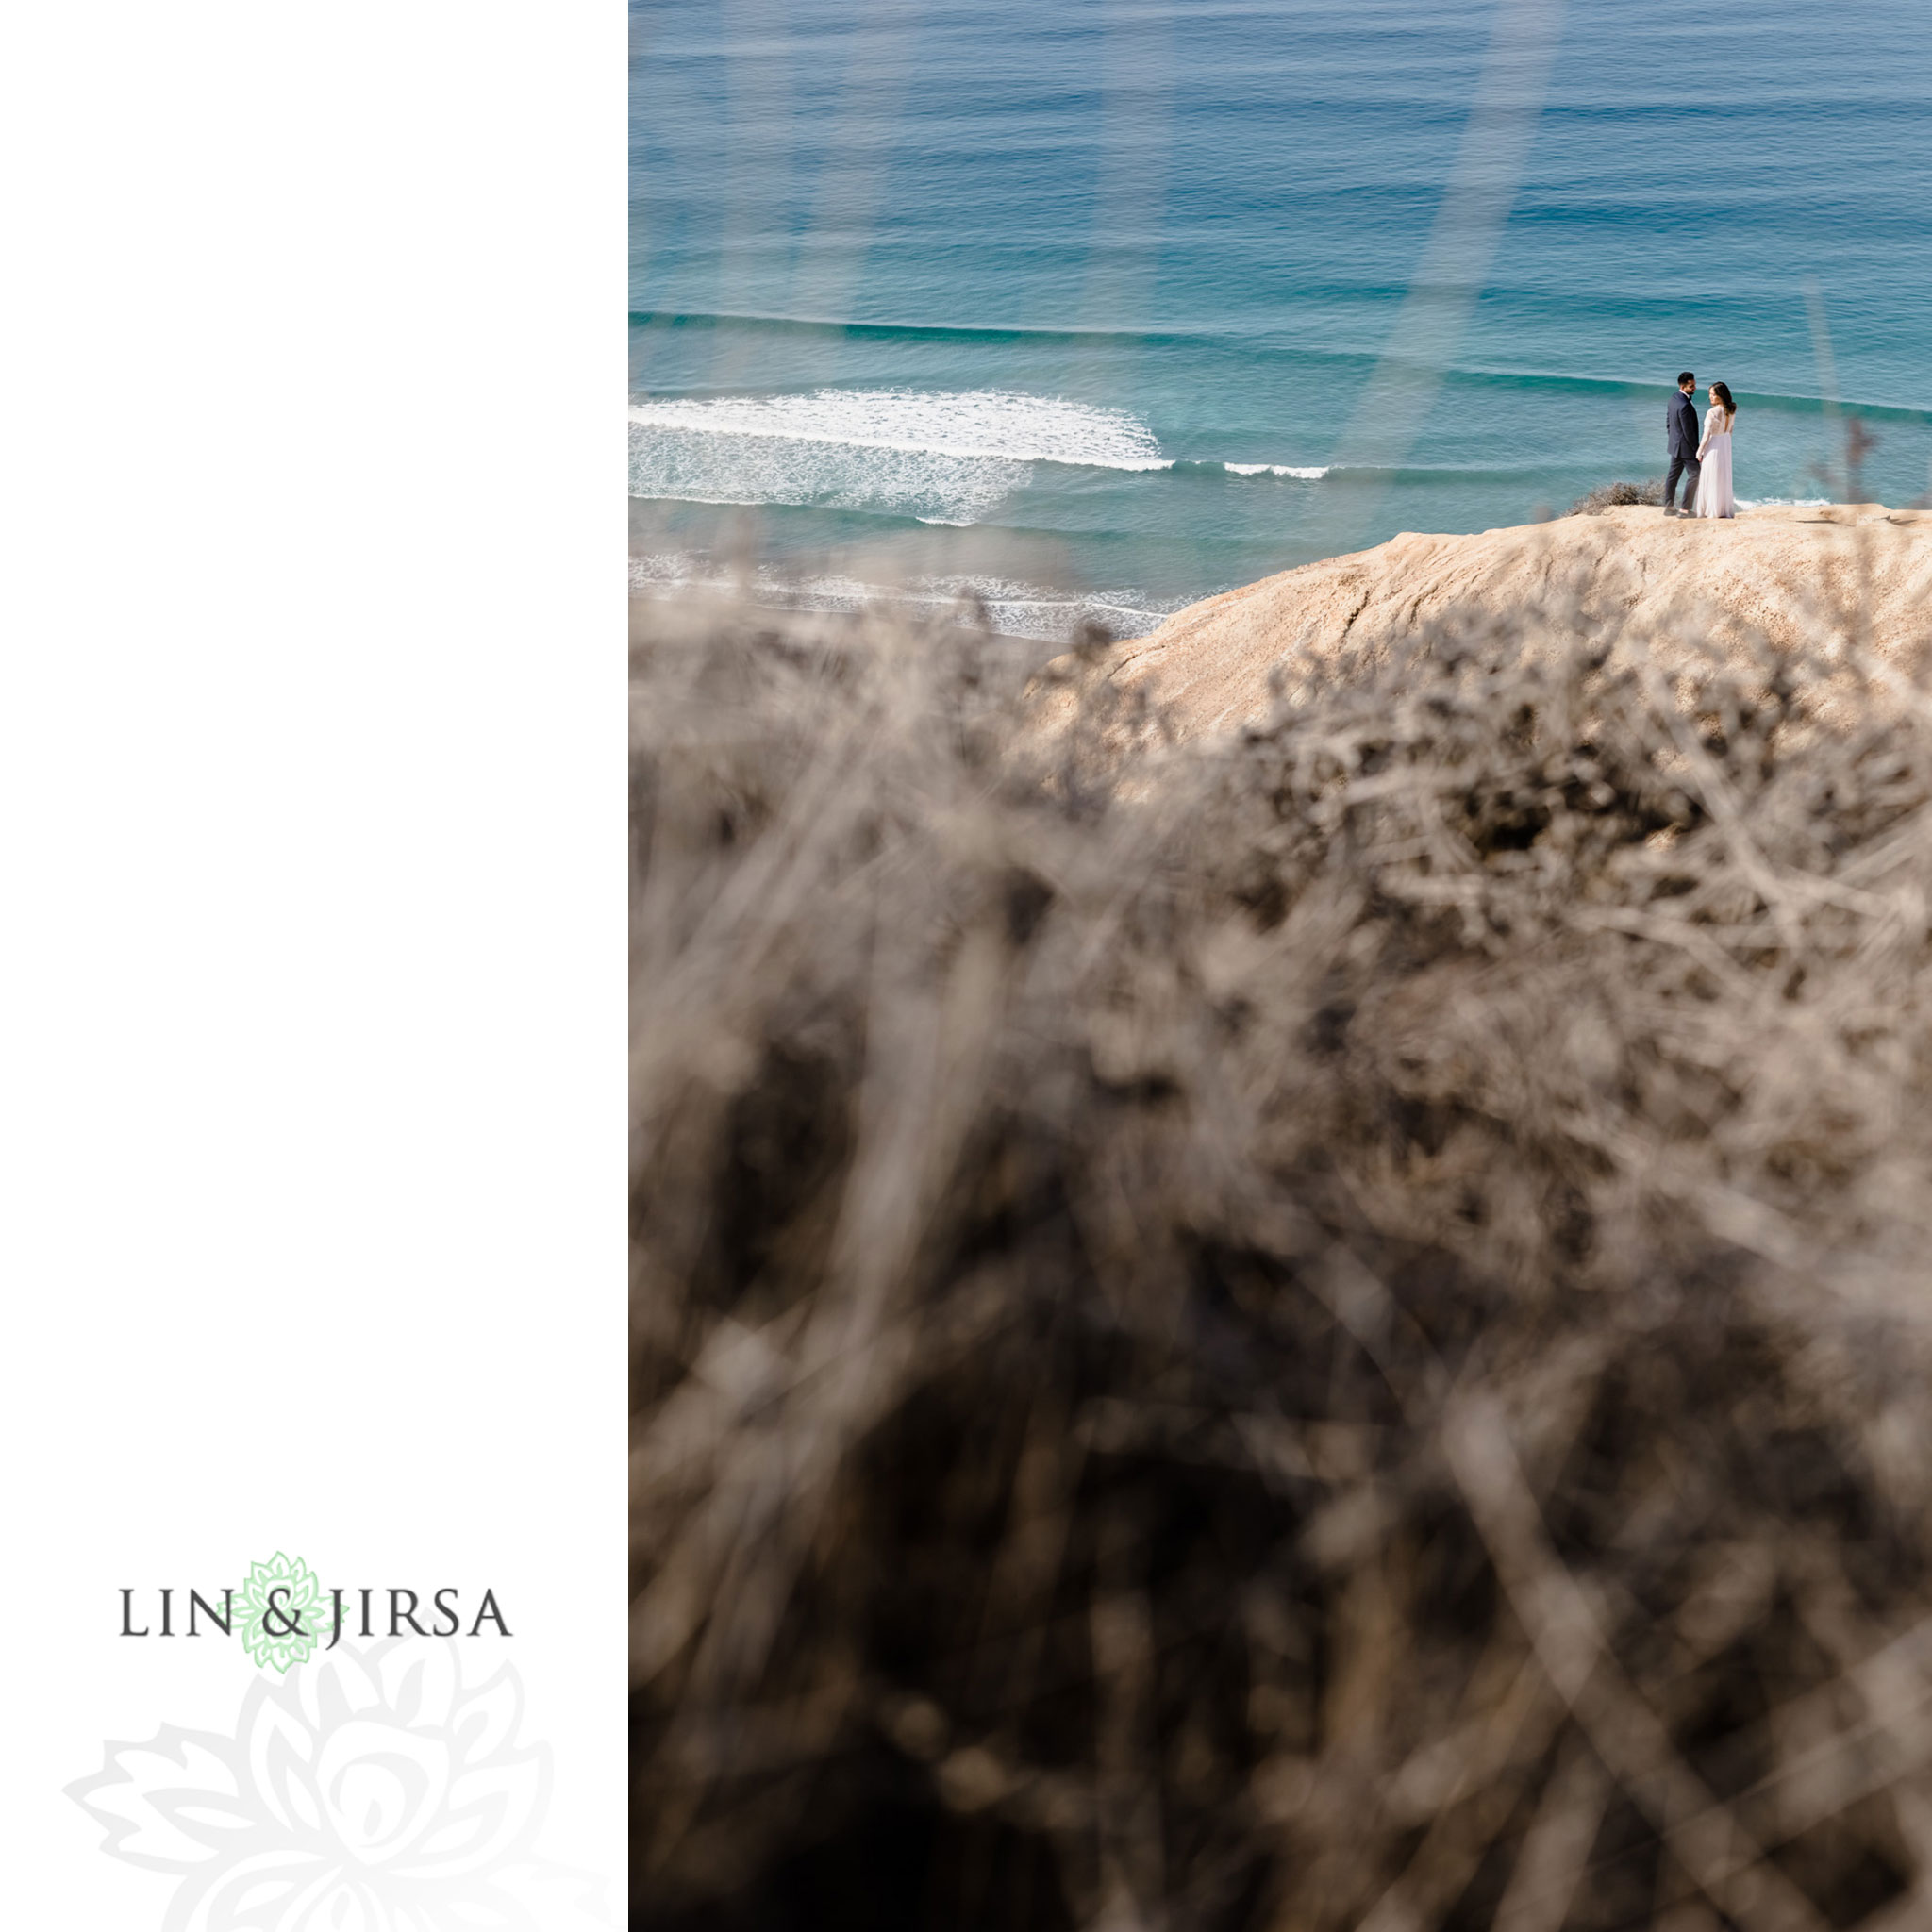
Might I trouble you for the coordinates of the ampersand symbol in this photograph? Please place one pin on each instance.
(291, 1626)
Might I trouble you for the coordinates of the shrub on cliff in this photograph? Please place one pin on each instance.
(1327, 1331)
(1617, 496)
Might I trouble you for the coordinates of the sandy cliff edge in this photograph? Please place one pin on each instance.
(1776, 570)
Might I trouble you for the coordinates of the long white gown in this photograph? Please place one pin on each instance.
(1714, 497)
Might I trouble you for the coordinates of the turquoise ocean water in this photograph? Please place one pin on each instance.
(1101, 306)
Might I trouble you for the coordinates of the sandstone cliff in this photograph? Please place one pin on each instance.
(1779, 572)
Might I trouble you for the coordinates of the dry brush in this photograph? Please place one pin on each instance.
(1323, 1331)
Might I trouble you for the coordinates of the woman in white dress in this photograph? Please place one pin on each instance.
(1714, 497)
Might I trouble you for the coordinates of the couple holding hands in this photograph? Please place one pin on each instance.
(1705, 465)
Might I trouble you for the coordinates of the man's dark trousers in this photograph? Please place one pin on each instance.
(1680, 418)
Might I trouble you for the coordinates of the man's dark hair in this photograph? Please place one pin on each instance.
(1686, 376)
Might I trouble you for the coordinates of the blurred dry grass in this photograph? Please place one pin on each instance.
(1327, 1331)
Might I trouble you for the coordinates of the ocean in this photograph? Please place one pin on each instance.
(1091, 308)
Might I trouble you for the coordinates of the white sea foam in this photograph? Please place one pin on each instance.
(1302, 474)
(1783, 502)
(697, 467)
(1004, 424)
(942, 457)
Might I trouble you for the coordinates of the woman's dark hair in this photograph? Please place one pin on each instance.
(1722, 391)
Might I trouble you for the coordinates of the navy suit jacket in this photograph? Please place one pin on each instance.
(1681, 418)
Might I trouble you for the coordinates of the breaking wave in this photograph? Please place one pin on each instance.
(942, 457)
(987, 422)
(1303, 473)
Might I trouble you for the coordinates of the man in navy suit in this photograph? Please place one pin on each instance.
(1680, 418)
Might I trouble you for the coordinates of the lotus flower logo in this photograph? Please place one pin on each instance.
(281, 1611)
(363, 1792)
